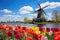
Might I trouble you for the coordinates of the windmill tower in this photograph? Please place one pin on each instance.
(41, 13)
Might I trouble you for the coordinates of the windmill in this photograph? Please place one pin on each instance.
(41, 12)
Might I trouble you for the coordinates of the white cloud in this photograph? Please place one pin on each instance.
(34, 15)
(51, 5)
(25, 9)
(10, 17)
(6, 11)
(36, 8)
(49, 16)
(31, 16)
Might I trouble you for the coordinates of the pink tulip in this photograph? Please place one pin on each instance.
(44, 38)
(50, 33)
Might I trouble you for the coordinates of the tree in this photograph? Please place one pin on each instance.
(26, 19)
(56, 16)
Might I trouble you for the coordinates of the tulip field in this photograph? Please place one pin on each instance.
(8, 32)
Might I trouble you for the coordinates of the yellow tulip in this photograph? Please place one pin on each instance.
(36, 29)
(37, 32)
(32, 27)
(44, 32)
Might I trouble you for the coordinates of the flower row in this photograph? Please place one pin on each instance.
(28, 33)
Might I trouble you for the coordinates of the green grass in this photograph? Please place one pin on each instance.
(46, 23)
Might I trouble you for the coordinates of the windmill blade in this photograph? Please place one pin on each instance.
(34, 11)
(44, 12)
(38, 4)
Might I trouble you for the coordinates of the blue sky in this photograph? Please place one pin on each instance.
(17, 10)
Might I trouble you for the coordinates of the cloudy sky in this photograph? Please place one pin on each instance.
(17, 10)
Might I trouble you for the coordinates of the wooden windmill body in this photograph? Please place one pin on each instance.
(41, 13)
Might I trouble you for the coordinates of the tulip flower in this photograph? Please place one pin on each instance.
(37, 32)
(35, 36)
(39, 35)
(44, 38)
(54, 29)
(32, 27)
(4, 28)
(36, 28)
(10, 27)
(16, 28)
(28, 38)
(16, 32)
(44, 32)
(50, 33)
(17, 36)
(40, 28)
(48, 29)
(57, 37)
(56, 34)
(24, 28)
(29, 33)
(10, 34)
(21, 31)
(6, 33)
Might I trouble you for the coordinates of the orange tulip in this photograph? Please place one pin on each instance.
(4, 28)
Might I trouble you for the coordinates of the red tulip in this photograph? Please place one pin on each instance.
(28, 31)
(28, 38)
(57, 35)
(48, 29)
(24, 28)
(32, 32)
(41, 28)
(35, 36)
(10, 27)
(4, 28)
(6, 33)
(16, 28)
(54, 29)
(1, 26)
(17, 36)
(21, 31)
(16, 31)
(10, 34)
(39, 35)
